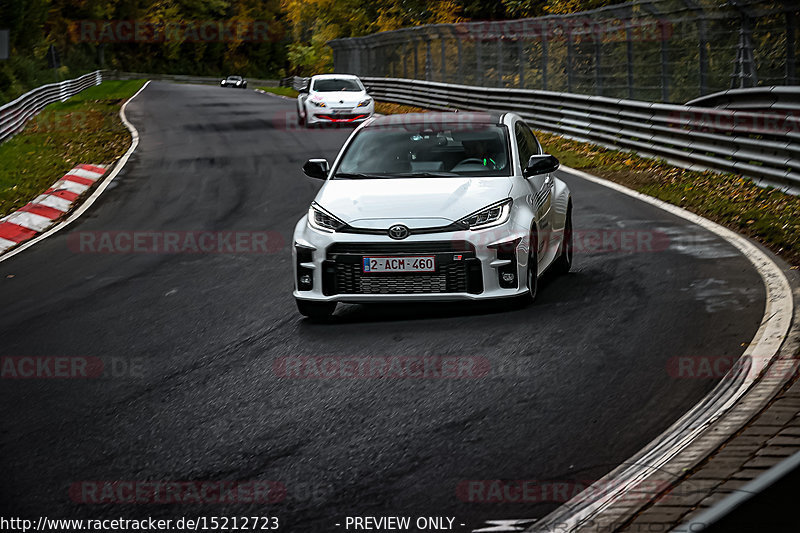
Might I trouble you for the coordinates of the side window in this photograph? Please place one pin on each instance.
(522, 134)
(533, 144)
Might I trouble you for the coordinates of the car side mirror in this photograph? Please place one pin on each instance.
(303, 90)
(540, 164)
(316, 168)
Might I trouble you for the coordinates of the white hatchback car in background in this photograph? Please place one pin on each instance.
(334, 99)
(432, 207)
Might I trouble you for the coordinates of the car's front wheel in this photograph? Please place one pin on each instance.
(316, 310)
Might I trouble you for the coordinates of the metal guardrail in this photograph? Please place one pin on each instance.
(16, 113)
(764, 146)
(775, 99)
(182, 78)
(295, 82)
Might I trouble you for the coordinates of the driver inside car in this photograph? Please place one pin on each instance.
(479, 151)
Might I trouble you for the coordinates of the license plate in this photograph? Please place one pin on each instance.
(340, 111)
(425, 263)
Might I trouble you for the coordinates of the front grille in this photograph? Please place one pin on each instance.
(343, 274)
(450, 278)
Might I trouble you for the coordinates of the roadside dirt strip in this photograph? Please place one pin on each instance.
(47, 208)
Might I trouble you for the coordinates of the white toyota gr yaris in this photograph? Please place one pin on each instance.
(432, 207)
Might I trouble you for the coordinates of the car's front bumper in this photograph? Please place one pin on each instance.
(321, 115)
(470, 265)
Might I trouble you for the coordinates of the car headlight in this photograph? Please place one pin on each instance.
(364, 103)
(494, 215)
(320, 219)
(318, 103)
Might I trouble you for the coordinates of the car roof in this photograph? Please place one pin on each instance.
(336, 76)
(437, 118)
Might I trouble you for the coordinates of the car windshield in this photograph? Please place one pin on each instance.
(235, 78)
(419, 150)
(329, 85)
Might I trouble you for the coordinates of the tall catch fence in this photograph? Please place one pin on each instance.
(657, 51)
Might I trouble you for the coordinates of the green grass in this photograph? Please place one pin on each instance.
(84, 129)
(283, 91)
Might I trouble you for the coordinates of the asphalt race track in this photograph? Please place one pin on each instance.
(577, 383)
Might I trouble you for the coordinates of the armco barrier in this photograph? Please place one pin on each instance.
(763, 145)
(295, 82)
(15, 114)
(775, 99)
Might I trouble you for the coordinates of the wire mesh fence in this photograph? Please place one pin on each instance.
(657, 50)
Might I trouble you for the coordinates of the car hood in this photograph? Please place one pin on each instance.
(415, 202)
(345, 97)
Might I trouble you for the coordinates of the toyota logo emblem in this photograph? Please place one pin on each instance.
(398, 232)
